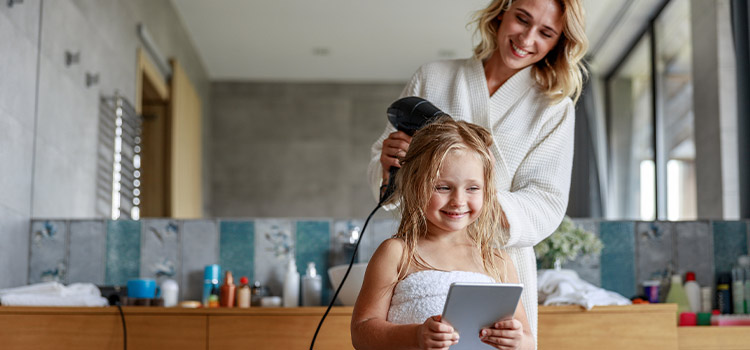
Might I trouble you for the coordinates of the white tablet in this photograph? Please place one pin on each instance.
(470, 307)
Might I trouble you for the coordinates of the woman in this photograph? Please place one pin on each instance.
(521, 84)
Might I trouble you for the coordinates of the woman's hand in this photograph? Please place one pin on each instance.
(394, 146)
(434, 334)
(505, 334)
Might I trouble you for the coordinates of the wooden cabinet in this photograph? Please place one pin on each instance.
(560, 328)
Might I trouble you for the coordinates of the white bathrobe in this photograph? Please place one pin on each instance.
(533, 146)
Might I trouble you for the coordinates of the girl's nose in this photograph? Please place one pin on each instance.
(458, 199)
(527, 38)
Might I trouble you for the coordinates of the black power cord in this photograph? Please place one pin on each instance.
(124, 328)
(354, 256)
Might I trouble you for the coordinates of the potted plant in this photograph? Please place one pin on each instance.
(565, 244)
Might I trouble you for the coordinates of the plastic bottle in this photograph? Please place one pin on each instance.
(312, 286)
(677, 296)
(291, 285)
(170, 292)
(227, 291)
(744, 263)
(723, 295)
(706, 300)
(213, 299)
(738, 290)
(211, 275)
(243, 293)
(693, 292)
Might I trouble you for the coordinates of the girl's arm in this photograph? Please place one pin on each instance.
(515, 333)
(369, 327)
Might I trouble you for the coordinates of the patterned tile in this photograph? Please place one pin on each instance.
(340, 248)
(200, 247)
(87, 251)
(618, 257)
(654, 251)
(274, 246)
(694, 250)
(123, 251)
(47, 261)
(588, 267)
(730, 241)
(236, 248)
(160, 249)
(313, 240)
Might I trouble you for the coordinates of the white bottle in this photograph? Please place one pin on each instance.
(312, 286)
(693, 291)
(291, 285)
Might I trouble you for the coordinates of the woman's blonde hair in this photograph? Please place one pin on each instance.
(560, 74)
(416, 182)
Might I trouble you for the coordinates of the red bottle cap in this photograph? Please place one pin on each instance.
(690, 276)
(688, 319)
(243, 280)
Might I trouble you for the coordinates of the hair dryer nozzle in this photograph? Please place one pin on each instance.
(410, 114)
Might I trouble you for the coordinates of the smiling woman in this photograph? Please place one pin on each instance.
(521, 85)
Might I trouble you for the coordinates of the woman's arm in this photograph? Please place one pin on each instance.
(538, 196)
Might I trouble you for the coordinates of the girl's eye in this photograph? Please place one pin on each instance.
(546, 35)
(442, 188)
(522, 20)
(474, 189)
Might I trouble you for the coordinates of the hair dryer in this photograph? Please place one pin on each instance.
(408, 114)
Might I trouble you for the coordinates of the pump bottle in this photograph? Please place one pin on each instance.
(291, 285)
(311, 286)
(227, 291)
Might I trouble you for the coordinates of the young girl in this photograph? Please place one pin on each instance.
(450, 217)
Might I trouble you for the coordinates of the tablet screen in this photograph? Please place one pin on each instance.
(470, 307)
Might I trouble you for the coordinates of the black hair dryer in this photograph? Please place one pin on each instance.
(408, 114)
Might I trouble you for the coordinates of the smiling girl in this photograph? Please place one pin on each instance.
(448, 233)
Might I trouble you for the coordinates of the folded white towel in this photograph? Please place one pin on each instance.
(53, 294)
(564, 287)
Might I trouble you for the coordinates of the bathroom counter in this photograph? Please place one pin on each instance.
(560, 327)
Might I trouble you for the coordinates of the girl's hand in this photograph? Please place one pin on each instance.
(434, 334)
(394, 146)
(505, 334)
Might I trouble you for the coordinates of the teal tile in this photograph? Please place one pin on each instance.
(312, 243)
(730, 241)
(123, 251)
(236, 248)
(618, 257)
(87, 252)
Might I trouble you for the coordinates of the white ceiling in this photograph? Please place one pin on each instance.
(360, 40)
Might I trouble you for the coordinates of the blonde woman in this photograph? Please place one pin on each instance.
(449, 217)
(521, 84)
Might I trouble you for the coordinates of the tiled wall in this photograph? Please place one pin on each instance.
(108, 252)
(111, 252)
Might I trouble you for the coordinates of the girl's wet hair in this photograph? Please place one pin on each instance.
(418, 176)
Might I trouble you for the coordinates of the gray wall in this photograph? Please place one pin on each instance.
(48, 117)
(294, 149)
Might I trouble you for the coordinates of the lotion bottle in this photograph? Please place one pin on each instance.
(311, 286)
(693, 291)
(243, 293)
(291, 285)
(227, 291)
(677, 295)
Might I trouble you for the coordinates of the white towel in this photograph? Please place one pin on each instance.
(564, 287)
(53, 294)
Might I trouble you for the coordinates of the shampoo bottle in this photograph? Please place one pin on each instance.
(677, 295)
(226, 299)
(311, 286)
(243, 293)
(291, 285)
(693, 291)
(738, 290)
